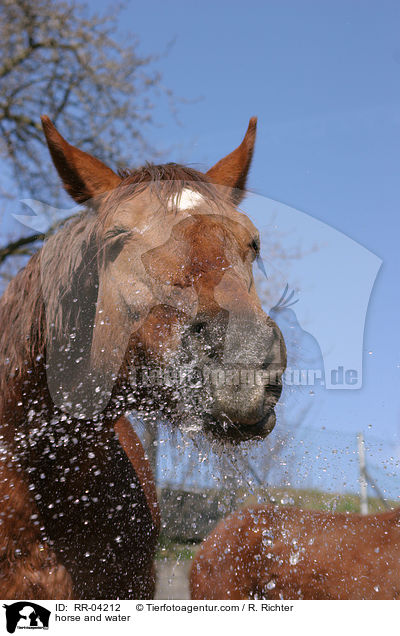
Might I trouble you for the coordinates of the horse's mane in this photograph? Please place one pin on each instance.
(20, 332)
(43, 295)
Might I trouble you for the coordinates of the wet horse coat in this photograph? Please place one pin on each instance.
(156, 273)
(269, 552)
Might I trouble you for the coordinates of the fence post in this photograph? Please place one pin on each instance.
(363, 475)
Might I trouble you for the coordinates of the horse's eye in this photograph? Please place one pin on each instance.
(114, 243)
(113, 249)
(255, 246)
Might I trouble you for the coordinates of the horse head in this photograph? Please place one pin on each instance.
(166, 302)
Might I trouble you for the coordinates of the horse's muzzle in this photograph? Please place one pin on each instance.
(243, 404)
(242, 360)
(226, 430)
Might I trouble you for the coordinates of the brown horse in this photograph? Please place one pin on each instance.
(154, 277)
(269, 552)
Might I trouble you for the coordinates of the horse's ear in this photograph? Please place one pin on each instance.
(84, 177)
(232, 170)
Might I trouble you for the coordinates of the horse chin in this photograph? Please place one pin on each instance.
(228, 431)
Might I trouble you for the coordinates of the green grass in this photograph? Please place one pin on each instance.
(168, 549)
(318, 500)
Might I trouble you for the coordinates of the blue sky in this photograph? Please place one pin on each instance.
(324, 80)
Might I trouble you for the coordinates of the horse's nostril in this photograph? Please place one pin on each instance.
(198, 327)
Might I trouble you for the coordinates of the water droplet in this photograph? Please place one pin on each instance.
(294, 558)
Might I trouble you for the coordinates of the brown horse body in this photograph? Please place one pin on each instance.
(157, 273)
(269, 552)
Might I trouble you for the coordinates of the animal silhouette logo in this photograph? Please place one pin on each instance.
(26, 615)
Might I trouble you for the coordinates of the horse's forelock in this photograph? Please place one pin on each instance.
(165, 182)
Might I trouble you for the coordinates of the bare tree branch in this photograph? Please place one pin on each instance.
(14, 247)
(57, 58)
